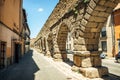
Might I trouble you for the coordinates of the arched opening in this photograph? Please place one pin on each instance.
(41, 44)
(44, 46)
(61, 40)
(87, 37)
(50, 44)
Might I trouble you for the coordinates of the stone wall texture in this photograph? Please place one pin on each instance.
(84, 19)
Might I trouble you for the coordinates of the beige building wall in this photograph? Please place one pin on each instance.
(27, 46)
(10, 13)
(116, 17)
(69, 42)
(10, 25)
(109, 37)
(109, 42)
(8, 36)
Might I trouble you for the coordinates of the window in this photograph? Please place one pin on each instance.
(104, 45)
(103, 33)
(2, 54)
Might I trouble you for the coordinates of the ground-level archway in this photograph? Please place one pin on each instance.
(50, 45)
(61, 40)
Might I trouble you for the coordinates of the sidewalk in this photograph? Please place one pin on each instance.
(36, 66)
(32, 67)
(66, 69)
(111, 59)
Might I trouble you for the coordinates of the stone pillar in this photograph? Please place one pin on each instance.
(47, 49)
(89, 64)
(87, 58)
(56, 52)
(43, 46)
(40, 46)
(86, 55)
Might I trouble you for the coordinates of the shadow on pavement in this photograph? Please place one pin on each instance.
(111, 77)
(69, 62)
(24, 70)
(108, 77)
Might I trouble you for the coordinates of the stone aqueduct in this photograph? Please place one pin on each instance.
(84, 19)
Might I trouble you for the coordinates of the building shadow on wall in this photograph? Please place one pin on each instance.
(24, 70)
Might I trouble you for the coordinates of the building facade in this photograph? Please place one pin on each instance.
(26, 32)
(106, 43)
(32, 42)
(11, 30)
(69, 43)
(116, 17)
(110, 34)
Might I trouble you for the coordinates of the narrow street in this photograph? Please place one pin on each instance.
(114, 68)
(59, 39)
(33, 66)
(36, 66)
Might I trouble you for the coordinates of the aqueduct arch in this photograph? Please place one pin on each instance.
(85, 19)
(61, 40)
(50, 45)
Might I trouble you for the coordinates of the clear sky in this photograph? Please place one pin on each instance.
(38, 12)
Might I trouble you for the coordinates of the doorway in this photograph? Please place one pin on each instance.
(17, 52)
